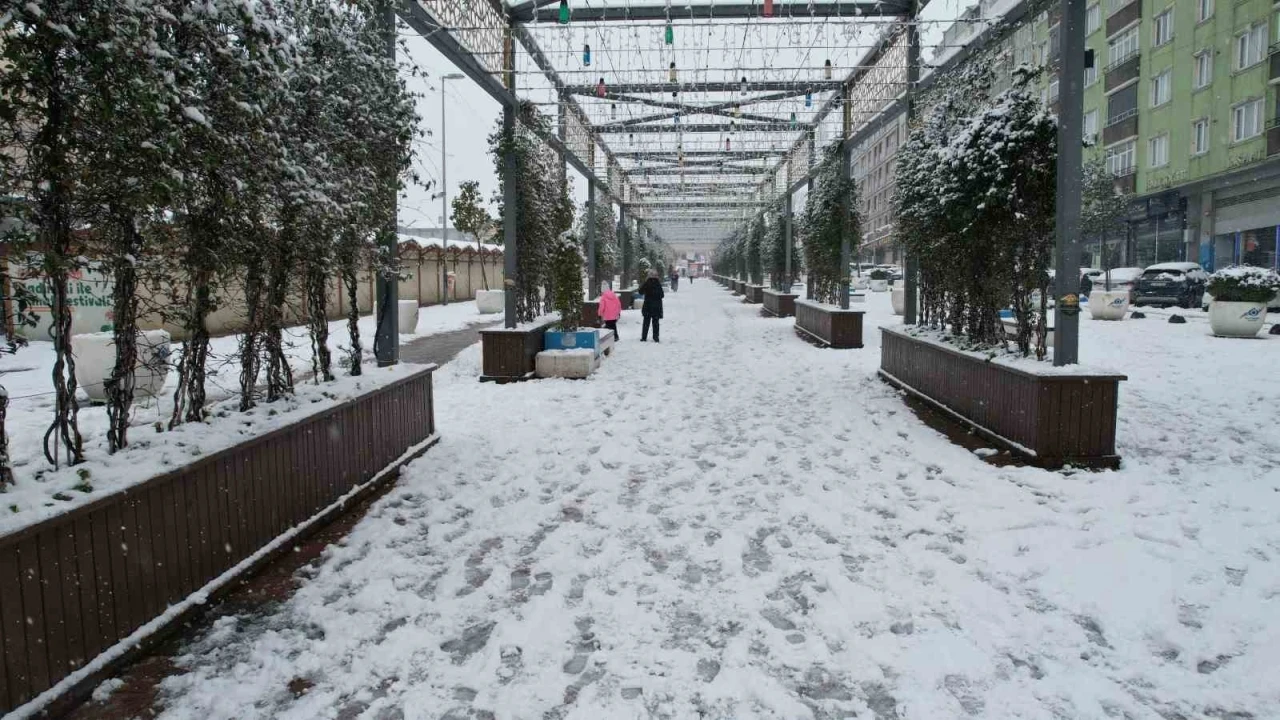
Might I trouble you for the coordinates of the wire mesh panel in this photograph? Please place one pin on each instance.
(475, 24)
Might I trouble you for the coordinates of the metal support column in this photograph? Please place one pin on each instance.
(813, 149)
(786, 276)
(910, 265)
(1066, 315)
(593, 272)
(510, 198)
(846, 210)
(386, 341)
(627, 246)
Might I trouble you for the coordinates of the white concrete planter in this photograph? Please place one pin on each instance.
(1111, 305)
(407, 316)
(489, 302)
(1236, 319)
(860, 282)
(879, 285)
(857, 297)
(96, 359)
(899, 299)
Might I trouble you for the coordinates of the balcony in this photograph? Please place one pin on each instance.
(1273, 137)
(1274, 75)
(1120, 127)
(1123, 18)
(1127, 180)
(1123, 71)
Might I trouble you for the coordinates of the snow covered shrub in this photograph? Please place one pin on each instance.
(976, 206)
(540, 209)
(776, 254)
(753, 249)
(879, 274)
(566, 281)
(1244, 283)
(830, 217)
(608, 254)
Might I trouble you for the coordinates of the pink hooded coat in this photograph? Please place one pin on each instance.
(610, 306)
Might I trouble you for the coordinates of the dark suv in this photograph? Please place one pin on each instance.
(1175, 283)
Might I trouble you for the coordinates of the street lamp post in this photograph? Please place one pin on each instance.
(444, 195)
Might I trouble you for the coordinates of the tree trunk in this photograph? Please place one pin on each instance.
(120, 386)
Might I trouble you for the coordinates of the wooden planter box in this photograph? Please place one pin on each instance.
(510, 354)
(628, 298)
(1054, 419)
(591, 314)
(779, 304)
(86, 582)
(738, 286)
(829, 326)
(754, 293)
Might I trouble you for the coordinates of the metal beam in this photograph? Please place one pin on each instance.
(711, 87)
(723, 11)
(727, 154)
(386, 342)
(637, 175)
(696, 205)
(775, 126)
(723, 109)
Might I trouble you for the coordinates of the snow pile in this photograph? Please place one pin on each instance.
(734, 524)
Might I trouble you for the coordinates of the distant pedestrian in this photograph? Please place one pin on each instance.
(675, 280)
(652, 308)
(1086, 285)
(610, 309)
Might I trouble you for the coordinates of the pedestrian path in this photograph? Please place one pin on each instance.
(734, 524)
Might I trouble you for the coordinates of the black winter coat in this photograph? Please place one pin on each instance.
(652, 292)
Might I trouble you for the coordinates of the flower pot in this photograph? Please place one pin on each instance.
(879, 285)
(95, 355)
(1236, 319)
(407, 316)
(1109, 305)
(489, 302)
(899, 299)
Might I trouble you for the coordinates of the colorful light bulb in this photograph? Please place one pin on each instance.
(670, 34)
(600, 89)
(671, 74)
(808, 99)
(827, 70)
(564, 12)
(586, 55)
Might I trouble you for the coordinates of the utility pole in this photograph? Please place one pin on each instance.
(1066, 313)
(444, 195)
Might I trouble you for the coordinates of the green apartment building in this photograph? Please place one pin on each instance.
(1182, 101)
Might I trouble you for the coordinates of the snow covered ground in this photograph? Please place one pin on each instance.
(734, 524)
(26, 377)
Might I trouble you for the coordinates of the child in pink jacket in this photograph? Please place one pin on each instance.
(610, 308)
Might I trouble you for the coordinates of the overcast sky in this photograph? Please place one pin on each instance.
(470, 115)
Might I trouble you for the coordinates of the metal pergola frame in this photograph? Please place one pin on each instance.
(494, 29)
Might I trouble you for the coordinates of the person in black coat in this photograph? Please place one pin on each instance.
(652, 308)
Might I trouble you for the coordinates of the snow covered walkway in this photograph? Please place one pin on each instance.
(734, 524)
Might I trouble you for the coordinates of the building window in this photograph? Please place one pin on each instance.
(1090, 126)
(1053, 91)
(1203, 68)
(1162, 28)
(1200, 137)
(1250, 46)
(1092, 19)
(1246, 120)
(1204, 10)
(1114, 5)
(1123, 46)
(1161, 88)
(1158, 151)
(1122, 158)
(1091, 75)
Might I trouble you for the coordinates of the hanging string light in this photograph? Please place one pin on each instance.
(726, 144)
(671, 75)
(564, 12)
(586, 54)
(744, 84)
(613, 111)
(600, 90)
(793, 119)
(670, 34)
(733, 126)
(737, 111)
(808, 99)
(768, 8)
(827, 70)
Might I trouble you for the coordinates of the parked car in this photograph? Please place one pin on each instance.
(1173, 283)
(1122, 279)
